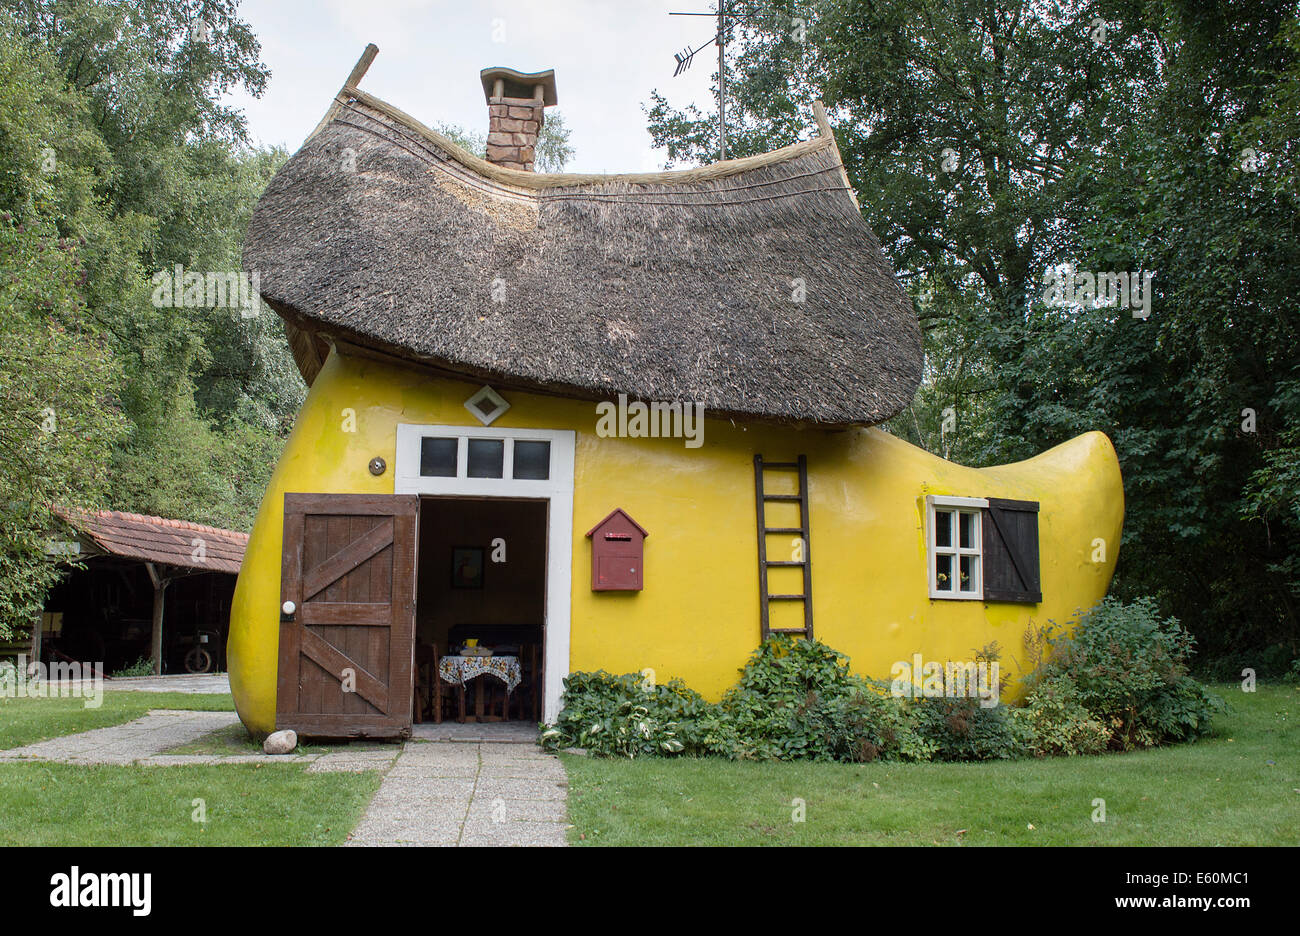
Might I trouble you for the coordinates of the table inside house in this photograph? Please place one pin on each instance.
(460, 670)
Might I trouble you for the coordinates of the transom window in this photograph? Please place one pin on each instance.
(955, 544)
(468, 457)
(483, 461)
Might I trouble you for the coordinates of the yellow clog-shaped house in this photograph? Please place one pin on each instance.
(610, 422)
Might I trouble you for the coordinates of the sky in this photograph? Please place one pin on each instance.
(608, 56)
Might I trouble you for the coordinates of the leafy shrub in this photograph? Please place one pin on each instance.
(1120, 680)
(624, 716)
(141, 667)
(957, 727)
(1129, 667)
(961, 729)
(1056, 722)
(875, 724)
(786, 701)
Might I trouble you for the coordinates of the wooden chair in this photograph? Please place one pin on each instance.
(430, 691)
(529, 691)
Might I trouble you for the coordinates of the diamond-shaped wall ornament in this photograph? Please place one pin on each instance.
(486, 405)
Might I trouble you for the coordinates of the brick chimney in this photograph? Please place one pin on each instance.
(517, 105)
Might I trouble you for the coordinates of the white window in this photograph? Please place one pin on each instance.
(472, 460)
(955, 545)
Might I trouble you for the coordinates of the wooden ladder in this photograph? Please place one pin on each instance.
(761, 497)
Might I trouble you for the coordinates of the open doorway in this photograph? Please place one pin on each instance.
(481, 609)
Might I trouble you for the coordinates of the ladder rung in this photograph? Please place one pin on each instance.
(783, 497)
(787, 598)
(785, 466)
(784, 562)
(787, 630)
(783, 529)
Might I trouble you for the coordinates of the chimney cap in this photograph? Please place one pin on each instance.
(520, 84)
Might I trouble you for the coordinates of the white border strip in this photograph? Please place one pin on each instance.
(557, 491)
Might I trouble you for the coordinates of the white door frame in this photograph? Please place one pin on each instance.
(557, 491)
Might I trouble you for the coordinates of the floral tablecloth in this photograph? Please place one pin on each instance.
(459, 670)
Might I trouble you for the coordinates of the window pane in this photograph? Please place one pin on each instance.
(970, 573)
(532, 461)
(943, 528)
(943, 573)
(486, 457)
(437, 457)
(967, 530)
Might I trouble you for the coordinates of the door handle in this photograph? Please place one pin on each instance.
(287, 611)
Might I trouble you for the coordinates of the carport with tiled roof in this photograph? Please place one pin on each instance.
(151, 586)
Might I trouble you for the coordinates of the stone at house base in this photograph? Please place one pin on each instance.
(280, 742)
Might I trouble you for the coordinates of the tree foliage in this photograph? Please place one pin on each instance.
(119, 160)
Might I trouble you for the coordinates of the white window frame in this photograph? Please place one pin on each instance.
(557, 490)
(971, 505)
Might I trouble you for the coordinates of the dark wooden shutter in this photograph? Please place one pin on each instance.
(349, 568)
(1011, 551)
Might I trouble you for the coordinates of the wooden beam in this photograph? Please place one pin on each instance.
(363, 65)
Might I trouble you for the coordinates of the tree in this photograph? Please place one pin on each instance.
(155, 173)
(59, 381)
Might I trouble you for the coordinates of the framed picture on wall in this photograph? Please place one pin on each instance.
(467, 567)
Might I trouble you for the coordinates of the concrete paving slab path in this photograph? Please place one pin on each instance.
(468, 794)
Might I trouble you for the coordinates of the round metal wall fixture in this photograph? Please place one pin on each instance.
(377, 466)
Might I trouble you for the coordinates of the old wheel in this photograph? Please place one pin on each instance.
(198, 660)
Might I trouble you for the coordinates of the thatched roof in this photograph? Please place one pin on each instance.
(381, 235)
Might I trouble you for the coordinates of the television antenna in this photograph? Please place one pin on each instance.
(727, 21)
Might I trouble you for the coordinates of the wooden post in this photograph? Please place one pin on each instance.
(36, 637)
(722, 78)
(363, 65)
(159, 593)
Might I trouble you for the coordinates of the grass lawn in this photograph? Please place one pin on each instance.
(25, 721)
(1240, 786)
(61, 804)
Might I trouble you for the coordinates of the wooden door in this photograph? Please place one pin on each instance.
(345, 665)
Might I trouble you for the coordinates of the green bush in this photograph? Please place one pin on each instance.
(784, 705)
(1120, 680)
(1055, 722)
(1130, 669)
(961, 729)
(141, 667)
(625, 716)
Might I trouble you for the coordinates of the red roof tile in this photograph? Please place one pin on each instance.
(156, 539)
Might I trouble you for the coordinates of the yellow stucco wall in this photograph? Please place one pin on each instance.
(698, 616)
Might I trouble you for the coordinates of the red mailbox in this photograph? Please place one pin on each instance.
(617, 553)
